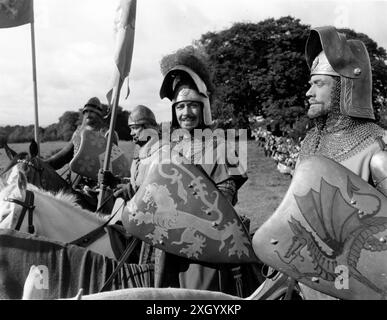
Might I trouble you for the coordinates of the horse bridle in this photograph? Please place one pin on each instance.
(27, 205)
(30, 164)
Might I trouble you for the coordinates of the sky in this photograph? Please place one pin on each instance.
(75, 40)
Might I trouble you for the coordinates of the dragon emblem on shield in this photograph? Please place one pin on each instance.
(336, 229)
(163, 207)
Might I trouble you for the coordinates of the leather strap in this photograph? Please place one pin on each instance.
(28, 204)
(129, 249)
(95, 234)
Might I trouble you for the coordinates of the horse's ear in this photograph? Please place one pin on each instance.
(33, 148)
(3, 144)
(22, 180)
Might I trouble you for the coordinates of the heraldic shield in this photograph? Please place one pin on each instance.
(329, 232)
(179, 209)
(91, 155)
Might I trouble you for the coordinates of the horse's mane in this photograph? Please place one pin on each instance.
(68, 200)
(65, 199)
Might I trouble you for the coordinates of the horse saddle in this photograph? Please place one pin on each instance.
(91, 155)
(329, 232)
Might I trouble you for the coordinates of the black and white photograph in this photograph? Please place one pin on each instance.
(193, 155)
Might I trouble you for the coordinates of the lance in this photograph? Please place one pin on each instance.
(123, 59)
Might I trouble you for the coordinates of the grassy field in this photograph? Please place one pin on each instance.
(258, 197)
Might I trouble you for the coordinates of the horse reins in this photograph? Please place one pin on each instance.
(27, 205)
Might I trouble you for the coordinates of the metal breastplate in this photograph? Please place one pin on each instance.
(342, 143)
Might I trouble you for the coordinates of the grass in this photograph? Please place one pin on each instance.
(258, 197)
(263, 191)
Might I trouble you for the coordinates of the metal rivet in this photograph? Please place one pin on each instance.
(194, 193)
(208, 211)
(273, 241)
(161, 242)
(315, 279)
(357, 71)
(214, 224)
(190, 185)
(353, 201)
(382, 240)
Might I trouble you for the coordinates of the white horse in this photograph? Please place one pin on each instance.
(55, 216)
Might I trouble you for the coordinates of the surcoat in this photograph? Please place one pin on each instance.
(178, 272)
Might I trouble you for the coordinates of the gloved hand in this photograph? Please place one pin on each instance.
(124, 191)
(108, 179)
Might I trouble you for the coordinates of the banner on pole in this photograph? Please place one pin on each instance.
(125, 27)
(14, 13)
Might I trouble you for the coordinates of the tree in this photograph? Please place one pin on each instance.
(260, 69)
(67, 125)
(121, 127)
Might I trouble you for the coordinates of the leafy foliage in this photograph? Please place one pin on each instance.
(63, 129)
(260, 69)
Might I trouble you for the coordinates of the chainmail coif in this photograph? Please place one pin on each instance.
(337, 136)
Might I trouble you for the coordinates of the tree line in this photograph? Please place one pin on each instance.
(259, 69)
(64, 128)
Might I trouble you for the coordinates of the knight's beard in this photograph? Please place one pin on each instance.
(333, 118)
(139, 142)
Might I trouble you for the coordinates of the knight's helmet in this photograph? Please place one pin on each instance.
(94, 104)
(187, 77)
(329, 52)
(142, 115)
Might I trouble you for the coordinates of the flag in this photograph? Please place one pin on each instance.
(125, 27)
(15, 13)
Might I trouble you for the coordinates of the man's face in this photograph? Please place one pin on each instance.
(135, 131)
(188, 114)
(91, 118)
(320, 95)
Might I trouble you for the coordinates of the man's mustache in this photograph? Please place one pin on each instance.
(188, 118)
(312, 101)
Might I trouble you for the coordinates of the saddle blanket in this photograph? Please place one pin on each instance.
(65, 268)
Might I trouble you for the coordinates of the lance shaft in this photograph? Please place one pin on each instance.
(35, 86)
(113, 117)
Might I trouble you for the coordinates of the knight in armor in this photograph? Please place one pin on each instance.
(93, 120)
(187, 84)
(145, 133)
(341, 107)
(146, 136)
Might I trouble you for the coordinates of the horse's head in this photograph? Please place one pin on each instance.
(10, 210)
(37, 171)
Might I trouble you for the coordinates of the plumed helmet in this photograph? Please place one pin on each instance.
(93, 105)
(142, 115)
(329, 52)
(187, 78)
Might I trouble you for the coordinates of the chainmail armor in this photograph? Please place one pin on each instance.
(339, 137)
